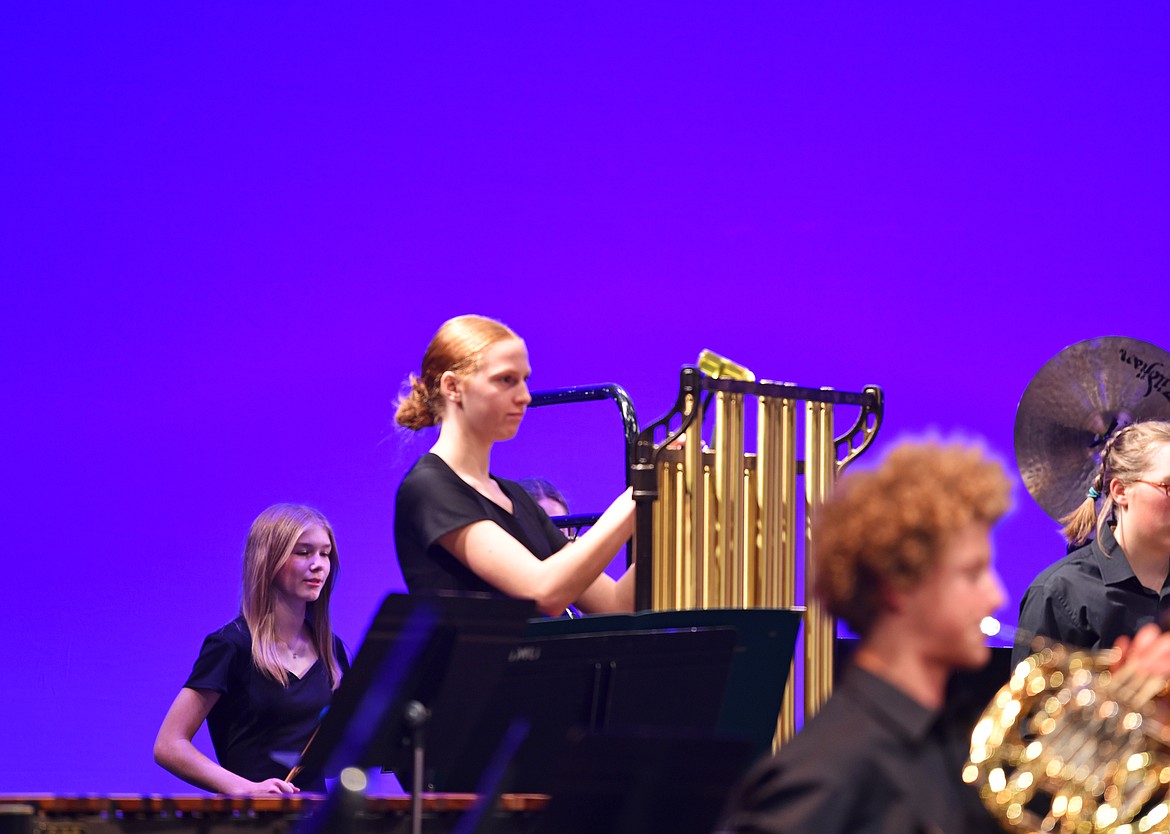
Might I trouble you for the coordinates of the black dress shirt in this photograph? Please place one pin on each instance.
(1088, 599)
(873, 761)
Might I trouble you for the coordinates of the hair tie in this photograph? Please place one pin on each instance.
(1093, 493)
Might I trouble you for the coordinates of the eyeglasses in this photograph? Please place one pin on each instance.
(1164, 487)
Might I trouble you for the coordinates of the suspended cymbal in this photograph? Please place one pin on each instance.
(1078, 399)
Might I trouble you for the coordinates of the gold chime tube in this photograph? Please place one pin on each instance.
(726, 583)
(774, 573)
(820, 468)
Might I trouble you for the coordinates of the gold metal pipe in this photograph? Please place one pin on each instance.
(664, 593)
(774, 574)
(775, 570)
(750, 530)
(820, 469)
(692, 553)
(727, 587)
(708, 587)
(681, 573)
(679, 522)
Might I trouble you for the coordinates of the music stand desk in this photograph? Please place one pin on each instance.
(766, 642)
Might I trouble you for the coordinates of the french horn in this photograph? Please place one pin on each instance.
(1071, 745)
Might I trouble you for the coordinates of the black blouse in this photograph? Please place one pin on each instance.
(433, 501)
(255, 717)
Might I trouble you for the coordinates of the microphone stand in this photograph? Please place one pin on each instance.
(416, 716)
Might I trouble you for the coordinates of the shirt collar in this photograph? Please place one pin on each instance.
(898, 710)
(1111, 560)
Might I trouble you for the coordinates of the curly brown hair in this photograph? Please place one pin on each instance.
(885, 527)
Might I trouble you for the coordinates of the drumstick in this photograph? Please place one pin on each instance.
(292, 774)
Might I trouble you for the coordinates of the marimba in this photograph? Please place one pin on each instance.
(135, 814)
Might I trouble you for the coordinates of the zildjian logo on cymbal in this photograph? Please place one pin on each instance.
(1151, 372)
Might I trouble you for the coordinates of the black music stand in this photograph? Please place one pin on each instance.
(666, 681)
(424, 669)
(766, 641)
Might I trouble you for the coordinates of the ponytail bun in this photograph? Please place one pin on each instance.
(414, 410)
(456, 347)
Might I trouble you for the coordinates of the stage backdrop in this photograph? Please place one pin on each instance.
(230, 230)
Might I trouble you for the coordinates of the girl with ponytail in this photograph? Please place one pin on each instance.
(457, 526)
(1116, 581)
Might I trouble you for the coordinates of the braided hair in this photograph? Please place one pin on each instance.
(1125, 457)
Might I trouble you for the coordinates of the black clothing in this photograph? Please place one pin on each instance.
(873, 761)
(1088, 599)
(432, 501)
(255, 716)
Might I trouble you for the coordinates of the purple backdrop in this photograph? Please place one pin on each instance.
(230, 231)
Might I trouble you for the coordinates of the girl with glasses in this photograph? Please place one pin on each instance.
(1116, 582)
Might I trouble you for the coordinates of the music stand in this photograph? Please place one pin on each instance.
(766, 642)
(658, 680)
(425, 658)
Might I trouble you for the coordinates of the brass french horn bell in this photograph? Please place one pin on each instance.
(1069, 746)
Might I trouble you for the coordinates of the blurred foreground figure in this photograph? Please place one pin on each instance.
(903, 556)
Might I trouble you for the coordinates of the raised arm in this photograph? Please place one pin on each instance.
(606, 595)
(572, 574)
(174, 751)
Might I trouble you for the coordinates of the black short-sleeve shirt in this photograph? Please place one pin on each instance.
(433, 501)
(255, 716)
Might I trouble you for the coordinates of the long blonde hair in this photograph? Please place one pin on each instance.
(1125, 457)
(270, 544)
(457, 346)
